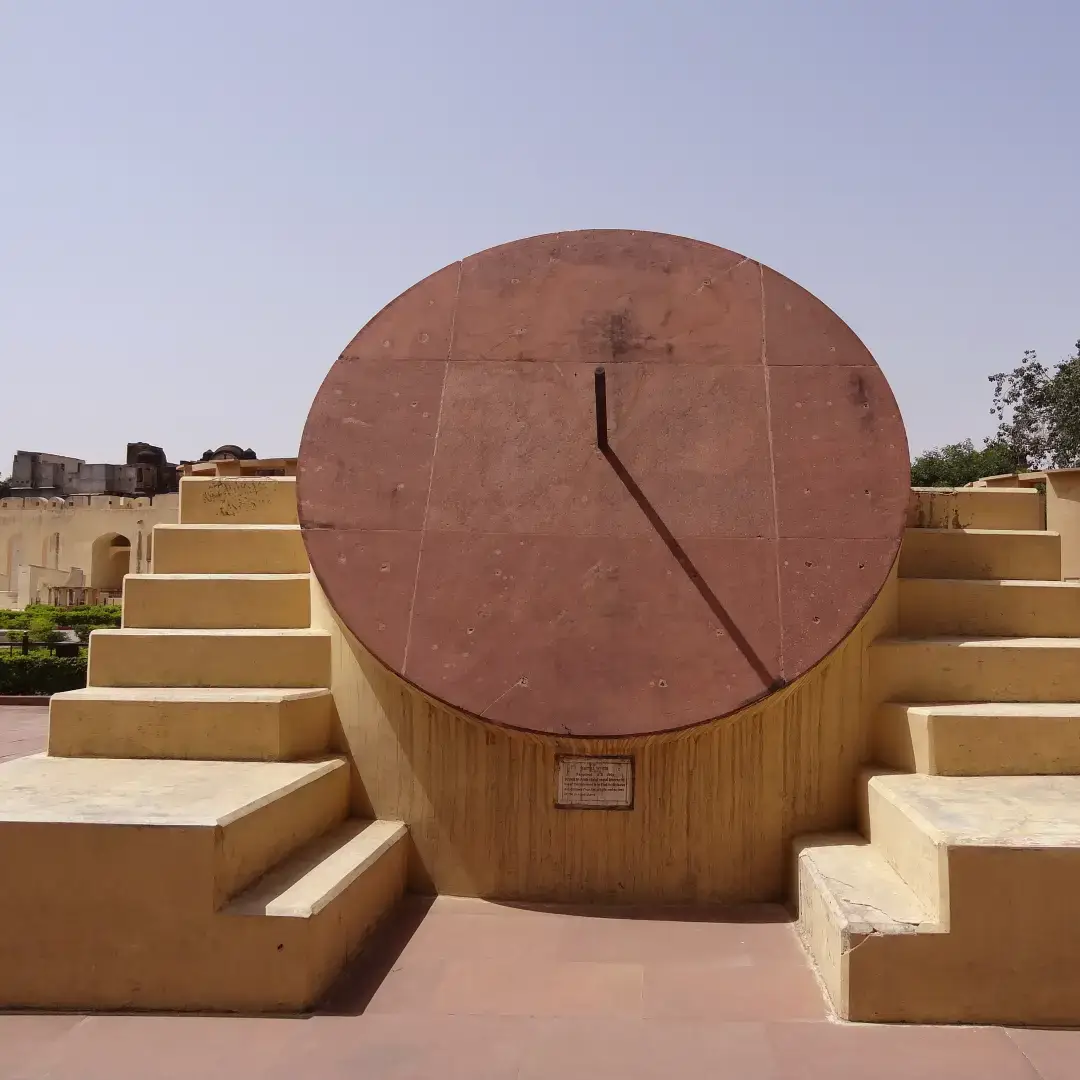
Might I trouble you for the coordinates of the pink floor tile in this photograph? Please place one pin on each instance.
(898, 1052)
(539, 988)
(720, 991)
(414, 1047)
(25, 1040)
(1055, 1055)
(24, 729)
(460, 988)
(607, 1049)
(171, 1048)
(677, 937)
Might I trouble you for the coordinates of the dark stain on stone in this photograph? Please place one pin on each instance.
(861, 399)
(620, 333)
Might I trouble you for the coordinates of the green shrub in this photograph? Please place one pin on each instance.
(43, 630)
(40, 672)
(42, 620)
(78, 618)
(14, 620)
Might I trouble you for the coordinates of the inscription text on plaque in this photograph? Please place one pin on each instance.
(594, 782)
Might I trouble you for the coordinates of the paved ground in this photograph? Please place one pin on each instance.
(23, 730)
(459, 988)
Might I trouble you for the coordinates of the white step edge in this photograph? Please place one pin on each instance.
(311, 879)
(201, 694)
(261, 578)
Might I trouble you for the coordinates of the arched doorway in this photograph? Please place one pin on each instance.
(110, 561)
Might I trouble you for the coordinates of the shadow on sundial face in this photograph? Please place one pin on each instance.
(769, 679)
(468, 529)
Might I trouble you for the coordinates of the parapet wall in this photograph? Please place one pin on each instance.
(92, 502)
(39, 537)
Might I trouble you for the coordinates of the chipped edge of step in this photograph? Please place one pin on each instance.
(891, 908)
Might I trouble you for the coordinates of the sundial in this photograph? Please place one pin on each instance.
(603, 483)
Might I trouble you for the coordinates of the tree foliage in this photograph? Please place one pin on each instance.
(5, 487)
(1038, 414)
(1038, 411)
(960, 463)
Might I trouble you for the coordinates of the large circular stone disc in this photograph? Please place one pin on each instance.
(469, 532)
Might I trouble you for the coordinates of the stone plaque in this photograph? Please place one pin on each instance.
(594, 782)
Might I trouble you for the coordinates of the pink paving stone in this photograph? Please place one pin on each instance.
(24, 729)
(899, 1052)
(722, 995)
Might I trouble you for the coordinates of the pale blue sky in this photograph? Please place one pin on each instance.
(203, 201)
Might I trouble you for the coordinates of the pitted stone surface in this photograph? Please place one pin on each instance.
(467, 529)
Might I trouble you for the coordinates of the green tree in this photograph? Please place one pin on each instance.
(5, 487)
(1038, 411)
(960, 463)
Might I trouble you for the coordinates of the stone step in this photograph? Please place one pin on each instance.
(963, 669)
(218, 658)
(236, 500)
(854, 907)
(916, 820)
(316, 909)
(116, 874)
(247, 815)
(980, 553)
(986, 936)
(217, 601)
(987, 739)
(212, 724)
(229, 549)
(977, 508)
(937, 606)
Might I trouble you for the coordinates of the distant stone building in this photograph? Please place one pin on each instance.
(228, 452)
(70, 531)
(145, 473)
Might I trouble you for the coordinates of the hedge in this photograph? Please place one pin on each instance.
(43, 620)
(78, 618)
(40, 673)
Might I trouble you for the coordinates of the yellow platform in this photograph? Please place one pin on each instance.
(960, 909)
(190, 841)
(187, 842)
(952, 903)
(184, 884)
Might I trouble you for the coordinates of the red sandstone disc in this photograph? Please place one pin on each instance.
(468, 530)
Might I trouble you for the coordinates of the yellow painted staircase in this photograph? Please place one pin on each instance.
(186, 843)
(956, 900)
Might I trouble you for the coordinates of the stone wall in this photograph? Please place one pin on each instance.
(80, 540)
